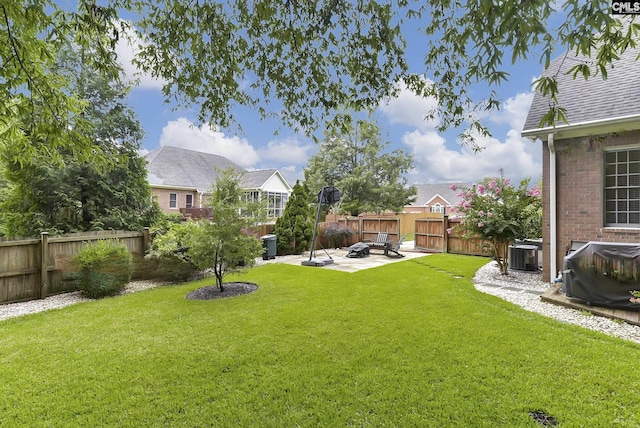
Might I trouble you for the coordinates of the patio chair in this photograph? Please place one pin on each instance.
(394, 247)
(381, 241)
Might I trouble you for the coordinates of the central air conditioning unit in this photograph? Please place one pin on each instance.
(523, 257)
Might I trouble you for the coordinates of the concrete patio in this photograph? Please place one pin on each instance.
(340, 262)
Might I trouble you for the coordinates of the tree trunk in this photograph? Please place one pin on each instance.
(501, 255)
(218, 270)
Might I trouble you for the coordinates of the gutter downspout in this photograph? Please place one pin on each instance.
(552, 209)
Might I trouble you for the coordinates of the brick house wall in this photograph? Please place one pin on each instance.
(579, 195)
(162, 196)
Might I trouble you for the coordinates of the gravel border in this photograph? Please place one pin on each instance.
(58, 301)
(524, 290)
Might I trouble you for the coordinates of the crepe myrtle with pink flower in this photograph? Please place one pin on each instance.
(500, 213)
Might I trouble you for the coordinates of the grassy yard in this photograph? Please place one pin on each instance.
(410, 344)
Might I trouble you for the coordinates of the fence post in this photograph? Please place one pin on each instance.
(445, 234)
(44, 264)
(145, 238)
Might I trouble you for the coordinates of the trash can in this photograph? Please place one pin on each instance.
(268, 247)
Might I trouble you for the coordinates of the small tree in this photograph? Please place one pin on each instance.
(230, 241)
(294, 228)
(500, 213)
(224, 244)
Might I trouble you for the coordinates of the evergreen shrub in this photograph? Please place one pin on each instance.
(104, 268)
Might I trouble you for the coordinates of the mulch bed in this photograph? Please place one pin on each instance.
(231, 289)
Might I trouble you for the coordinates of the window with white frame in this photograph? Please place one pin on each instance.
(252, 196)
(275, 203)
(189, 201)
(436, 208)
(622, 188)
(173, 200)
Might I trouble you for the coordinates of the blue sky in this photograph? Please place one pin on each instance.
(438, 157)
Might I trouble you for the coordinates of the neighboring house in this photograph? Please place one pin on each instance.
(182, 180)
(435, 198)
(591, 165)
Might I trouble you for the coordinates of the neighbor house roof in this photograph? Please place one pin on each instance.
(255, 179)
(170, 166)
(593, 106)
(427, 192)
(173, 166)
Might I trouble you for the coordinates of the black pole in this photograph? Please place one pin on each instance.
(315, 229)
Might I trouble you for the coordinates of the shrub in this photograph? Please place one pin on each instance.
(294, 229)
(105, 268)
(167, 258)
(337, 234)
(169, 267)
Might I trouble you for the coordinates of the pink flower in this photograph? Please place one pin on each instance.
(480, 224)
(459, 194)
(489, 215)
(466, 205)
(535, 191)
(480, 213)
(449, 230)
(453, 187)
(481, 189)
(506, 182)
(492, 184)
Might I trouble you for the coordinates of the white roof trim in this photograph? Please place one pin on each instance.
(600, 126)
(437, 195)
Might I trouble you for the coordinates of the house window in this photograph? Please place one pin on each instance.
(276, 203)
(622, 188)
(252, 196)
(173, 200)
(189, 201)
(437, 208)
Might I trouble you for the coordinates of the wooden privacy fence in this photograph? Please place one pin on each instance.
(363, 228)
(33, 268)
(442, 235)
(430, 231)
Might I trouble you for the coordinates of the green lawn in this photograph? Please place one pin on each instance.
(410, 344)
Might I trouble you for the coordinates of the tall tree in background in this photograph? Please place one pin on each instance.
(39, 115)
(352, 157)
(312, 56)
(75, 195)
(294, 228)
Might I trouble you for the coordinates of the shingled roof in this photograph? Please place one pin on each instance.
(173, 166)
(426, 192)
(591, 103)
(256, 179)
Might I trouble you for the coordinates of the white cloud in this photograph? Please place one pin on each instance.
(288, 150)
(514, 111)
(183, 133)
(435, 162)
(126, 49)
(409, 109)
